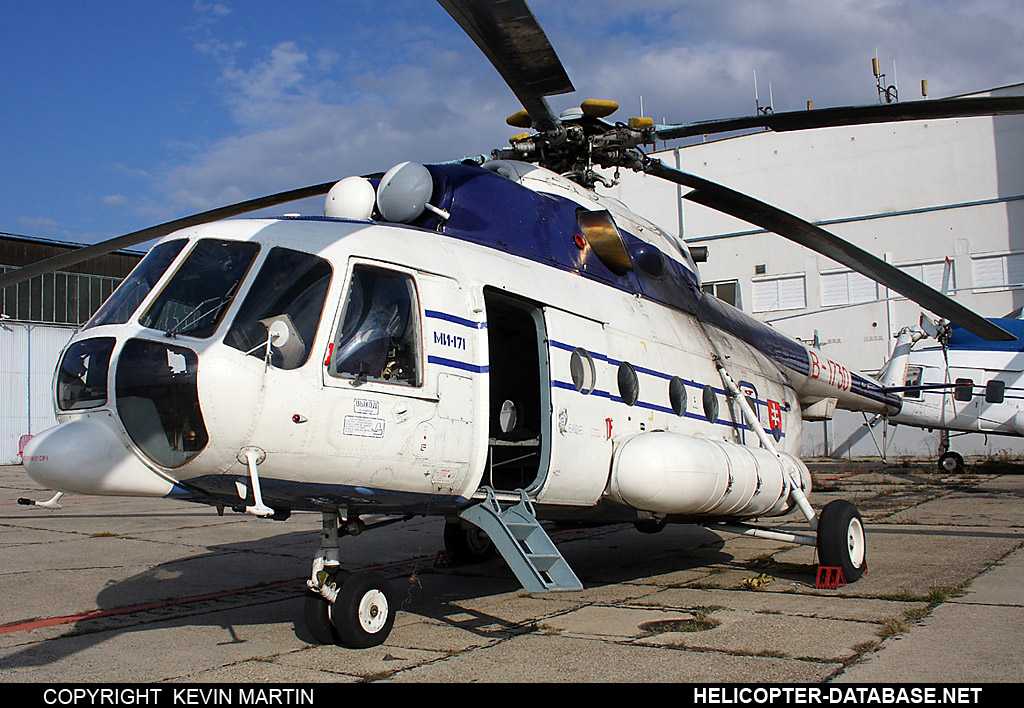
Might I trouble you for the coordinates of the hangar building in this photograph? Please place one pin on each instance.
(37, 319)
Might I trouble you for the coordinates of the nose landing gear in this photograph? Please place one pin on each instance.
(356, 610)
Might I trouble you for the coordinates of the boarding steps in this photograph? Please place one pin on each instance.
(522, 542)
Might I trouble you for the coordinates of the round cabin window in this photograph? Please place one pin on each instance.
(629, 386)
(581, 368)
(710, 404)
(677, 395)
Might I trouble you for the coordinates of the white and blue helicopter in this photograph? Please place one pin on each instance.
(960, 383)
(487, 340)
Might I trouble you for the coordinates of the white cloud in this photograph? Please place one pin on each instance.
(400, 89)
(41, 224)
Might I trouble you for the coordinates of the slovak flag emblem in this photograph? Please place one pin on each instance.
(775, 419)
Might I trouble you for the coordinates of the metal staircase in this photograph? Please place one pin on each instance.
(523, 543)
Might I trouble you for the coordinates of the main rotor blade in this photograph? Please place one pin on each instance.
(742, 206)
(512, 39)
(79, 255)
(852, 115)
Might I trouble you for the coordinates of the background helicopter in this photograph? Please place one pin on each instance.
(331, 383)
(952, 382)
(961, 384)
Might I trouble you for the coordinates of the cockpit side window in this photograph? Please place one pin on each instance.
(129, 295)
(379, 336)
(913, 379)
(288, 296)
(200, 292)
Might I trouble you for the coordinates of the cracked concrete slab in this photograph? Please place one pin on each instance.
(139, 576)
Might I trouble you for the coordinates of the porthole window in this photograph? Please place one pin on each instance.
(629, 386)
(677, 395)
(710, 404)
(581, 368)
(964, 390)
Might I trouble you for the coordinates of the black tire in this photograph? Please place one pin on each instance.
(364, 612)
(318, 619)
(951, 462)
(841, 539)
(467, 544)
(317, 611)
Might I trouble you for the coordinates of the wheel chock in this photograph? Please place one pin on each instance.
(443, 560)
(830, 578)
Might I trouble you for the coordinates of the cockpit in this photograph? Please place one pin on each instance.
(154, 377)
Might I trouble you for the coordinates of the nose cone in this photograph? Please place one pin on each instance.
(88, 456)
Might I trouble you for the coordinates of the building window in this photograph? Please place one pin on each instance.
(786, 292)
(846, 288)
(726, 290)
(1000, 271)
(934, 274)
(58, 298)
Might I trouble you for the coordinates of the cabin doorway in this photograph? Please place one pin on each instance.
(519, 406)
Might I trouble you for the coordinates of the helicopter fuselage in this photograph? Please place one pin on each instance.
(379, 367)
(970, 386)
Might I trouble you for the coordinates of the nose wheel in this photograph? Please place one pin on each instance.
(364, 612)
(361, 616)
(356, 610)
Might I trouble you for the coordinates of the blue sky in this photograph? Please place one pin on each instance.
(121, 114)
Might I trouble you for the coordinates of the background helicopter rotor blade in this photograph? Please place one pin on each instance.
(76, 256)
(742, 206)
(512, 39)
(851, 115)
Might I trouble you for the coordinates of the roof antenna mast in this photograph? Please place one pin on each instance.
(889, 93)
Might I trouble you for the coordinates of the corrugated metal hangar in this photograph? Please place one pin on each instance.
(38, 318)
(931, 197)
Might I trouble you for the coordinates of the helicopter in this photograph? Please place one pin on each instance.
(961, 384)
(488, 340)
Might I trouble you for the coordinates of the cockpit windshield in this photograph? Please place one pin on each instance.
(197, 296)
(289, 292)
(129, 295)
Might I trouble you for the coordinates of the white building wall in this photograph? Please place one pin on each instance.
(914, 193)
(28, 358)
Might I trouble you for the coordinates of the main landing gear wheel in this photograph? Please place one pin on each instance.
(951, 462)
(364, 611)
(466, 544)
(841, 539)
